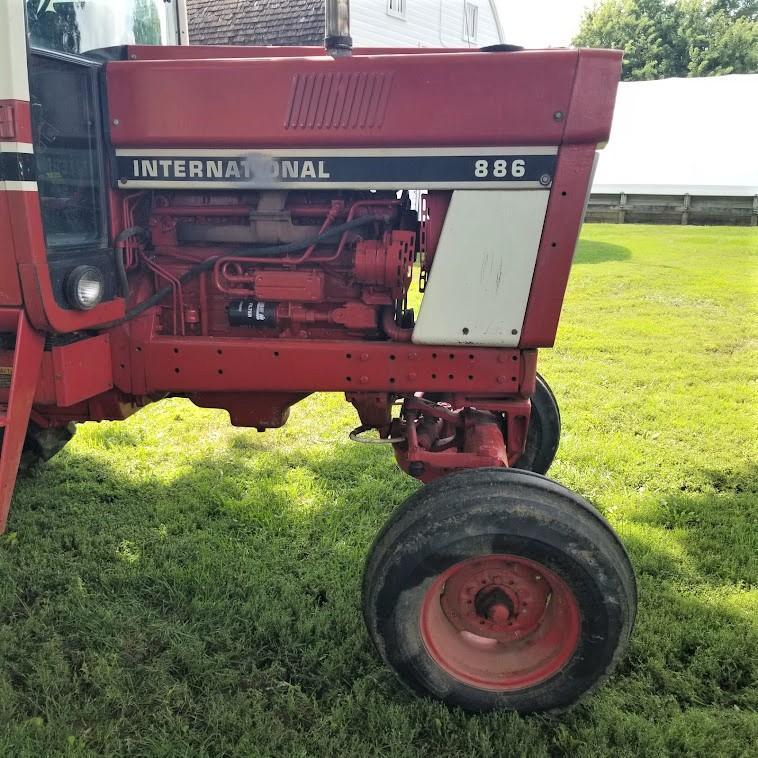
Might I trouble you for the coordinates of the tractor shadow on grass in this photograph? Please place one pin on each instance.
(715, 526)
(590, 251)
(242, 574)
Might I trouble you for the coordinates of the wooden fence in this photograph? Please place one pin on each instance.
(704, 210)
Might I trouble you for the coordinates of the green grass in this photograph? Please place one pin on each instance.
(172, 586)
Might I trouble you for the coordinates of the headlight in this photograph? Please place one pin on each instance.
(85, 287)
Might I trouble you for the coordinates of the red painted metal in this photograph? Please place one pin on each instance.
(593, 97)
(387, 263)
(434, 211)
(560, 233)
(15, 121)
(463, 431)
(82, 369)
(26, 368)
(10, 287)
(262, 410)
(336, 311)
(500, 622)
(303, 286)
(25, 221)
(174, 364)
(146, 117)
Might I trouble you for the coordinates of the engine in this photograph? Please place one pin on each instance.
(298, 264)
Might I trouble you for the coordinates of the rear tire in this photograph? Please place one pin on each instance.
(41, 444)
(499, 589)
(544, 433)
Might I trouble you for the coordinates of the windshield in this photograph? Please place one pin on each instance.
(76, 26)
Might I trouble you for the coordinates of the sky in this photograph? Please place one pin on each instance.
(541, 23)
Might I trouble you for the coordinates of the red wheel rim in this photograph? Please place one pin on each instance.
(500, 622)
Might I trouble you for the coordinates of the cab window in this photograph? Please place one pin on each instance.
(76, 26)
(68, 150)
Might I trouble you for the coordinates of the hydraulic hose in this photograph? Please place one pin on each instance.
(391, 329)
(273, 251)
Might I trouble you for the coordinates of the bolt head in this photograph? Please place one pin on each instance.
(416, 468)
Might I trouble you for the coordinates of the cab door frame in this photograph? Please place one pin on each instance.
(22, 239)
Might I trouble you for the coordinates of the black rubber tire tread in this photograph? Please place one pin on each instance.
(41, 444)
(544, 433)
(435, 511)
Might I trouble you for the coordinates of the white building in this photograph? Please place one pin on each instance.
(683, 135)
(374, 23)
(681, 151)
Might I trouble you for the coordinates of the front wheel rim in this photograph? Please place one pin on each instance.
(500, 622)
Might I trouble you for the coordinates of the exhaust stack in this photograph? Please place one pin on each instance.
(338, 42)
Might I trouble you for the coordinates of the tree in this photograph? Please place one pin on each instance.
(664, 38)
(147, 26)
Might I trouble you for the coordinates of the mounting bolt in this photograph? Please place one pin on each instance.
(501, 380)
(116, 122)
(364, 380)
(364, 356)
(416, 468)
(411, 375)
(558, 116)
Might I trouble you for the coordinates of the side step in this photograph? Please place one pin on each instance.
(14, 418)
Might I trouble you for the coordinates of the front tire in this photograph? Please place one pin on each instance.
(499, 589)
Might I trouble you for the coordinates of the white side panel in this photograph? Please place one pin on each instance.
(482, 271)
(14, 84)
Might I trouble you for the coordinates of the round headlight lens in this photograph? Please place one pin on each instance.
(85, 287)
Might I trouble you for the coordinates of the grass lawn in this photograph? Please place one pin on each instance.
(172, 586)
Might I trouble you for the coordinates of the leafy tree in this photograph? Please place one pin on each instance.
(146, 27)
(664, 38)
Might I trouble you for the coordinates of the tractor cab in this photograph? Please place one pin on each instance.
(56, 104)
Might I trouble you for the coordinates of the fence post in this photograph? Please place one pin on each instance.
(622, 205)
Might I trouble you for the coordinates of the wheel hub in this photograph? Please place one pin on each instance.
(495, 597)
(500, 622)
(495, 605)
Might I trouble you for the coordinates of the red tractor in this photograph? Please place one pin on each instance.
(234, 225)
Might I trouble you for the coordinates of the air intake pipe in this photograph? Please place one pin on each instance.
(338, 41)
